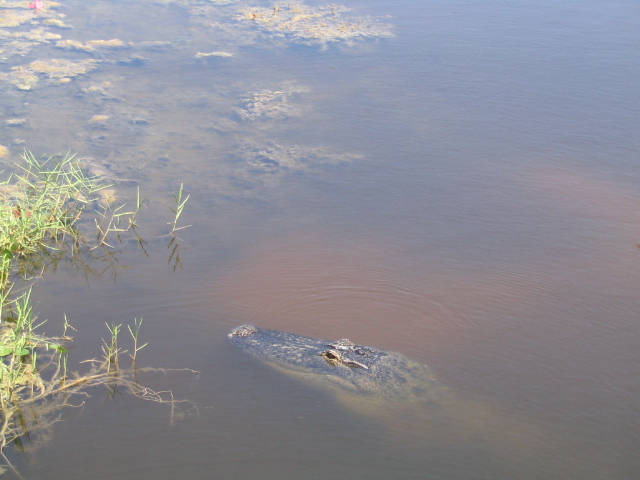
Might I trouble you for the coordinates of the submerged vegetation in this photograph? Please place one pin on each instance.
(57, 71)
(270, 104)
(24, 29)
(305, 24)
(41, 213)
(130, 132)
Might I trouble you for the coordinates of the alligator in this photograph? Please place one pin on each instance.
(354, 368)
(399, 393)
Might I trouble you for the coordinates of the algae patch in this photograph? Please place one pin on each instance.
(22, 29)
(274, 157)
(268, 164)
(213, 54)
(16, 122)
(21, 43)
(15, 18)
(270, 104)
(232, 22)
(56, 70)
(305, 24)
(100, 119)
(91, 45)
(186, 3)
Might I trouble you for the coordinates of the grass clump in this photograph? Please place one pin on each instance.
(42, 204)
(35, 382)
(40, 207)
(41, 210)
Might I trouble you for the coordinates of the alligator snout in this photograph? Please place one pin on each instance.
(243, 331)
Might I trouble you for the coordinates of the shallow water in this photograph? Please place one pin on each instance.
(465, 192)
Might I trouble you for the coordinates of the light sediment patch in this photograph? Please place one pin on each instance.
(304, 24)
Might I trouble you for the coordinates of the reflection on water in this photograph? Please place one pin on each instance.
(464, 192)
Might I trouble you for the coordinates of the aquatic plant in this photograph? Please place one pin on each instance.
(135, 333)
(41, 206)
(179, 208)
(35, 382)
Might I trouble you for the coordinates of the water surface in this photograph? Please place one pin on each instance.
(465, 192)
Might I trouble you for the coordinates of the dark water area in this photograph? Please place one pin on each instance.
(465, 192)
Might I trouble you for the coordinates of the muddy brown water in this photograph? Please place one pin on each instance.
(465, 193)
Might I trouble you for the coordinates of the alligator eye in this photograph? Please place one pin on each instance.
(330, 356)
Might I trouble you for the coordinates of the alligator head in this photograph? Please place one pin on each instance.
(354, 367)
